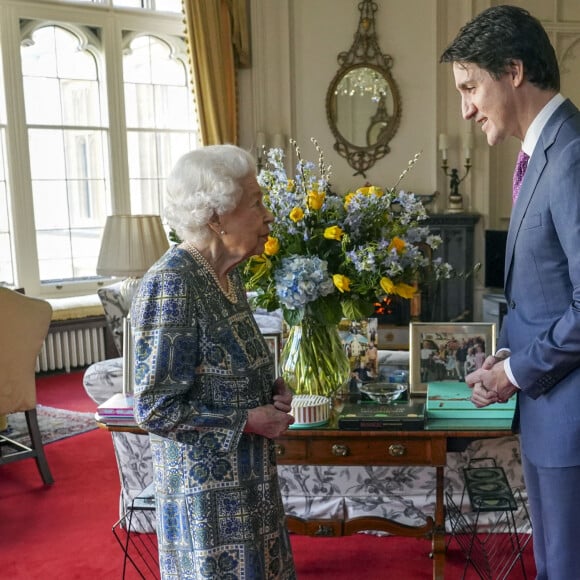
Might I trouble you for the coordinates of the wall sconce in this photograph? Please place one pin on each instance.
(455, 198)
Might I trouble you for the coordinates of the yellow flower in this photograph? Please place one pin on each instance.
(341, 282)
(272, 246)
(348, 198)
(290, 186)
(315, 199)
(371, 190)
(333, 233)
(296, 214)
(405, 290)
(401, 289)
(387, 285)
(398, 244)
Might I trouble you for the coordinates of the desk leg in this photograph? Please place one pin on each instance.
(439, 531)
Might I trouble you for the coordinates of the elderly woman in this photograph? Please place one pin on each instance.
(205, 387)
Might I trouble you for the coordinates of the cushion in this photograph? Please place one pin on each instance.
(75, 307)
(24, 327)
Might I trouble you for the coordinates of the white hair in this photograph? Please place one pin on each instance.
(204, 183)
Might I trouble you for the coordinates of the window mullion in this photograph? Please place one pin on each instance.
(22, 208)
(119, 162)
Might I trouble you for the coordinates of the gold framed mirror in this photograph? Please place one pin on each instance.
(363, 105)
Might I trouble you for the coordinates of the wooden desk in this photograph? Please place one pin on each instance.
(331, 446)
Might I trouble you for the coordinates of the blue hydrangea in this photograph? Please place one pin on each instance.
(302, 279)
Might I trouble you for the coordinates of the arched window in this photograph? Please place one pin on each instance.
(93, 114)
(67, 142)
(160, 116)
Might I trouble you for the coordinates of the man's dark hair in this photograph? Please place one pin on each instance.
(501, 34)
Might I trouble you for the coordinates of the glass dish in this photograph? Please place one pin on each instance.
(384, 393)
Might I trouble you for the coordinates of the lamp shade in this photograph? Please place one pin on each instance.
(131, 244)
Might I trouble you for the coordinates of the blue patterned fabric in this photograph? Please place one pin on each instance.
(200, 364)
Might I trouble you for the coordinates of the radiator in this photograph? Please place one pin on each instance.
(74, 347)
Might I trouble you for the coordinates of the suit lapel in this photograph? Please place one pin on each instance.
(536, 166)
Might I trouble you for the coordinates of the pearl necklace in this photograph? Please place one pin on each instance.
(230, 293)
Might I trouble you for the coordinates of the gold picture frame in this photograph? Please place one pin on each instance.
(447, 351)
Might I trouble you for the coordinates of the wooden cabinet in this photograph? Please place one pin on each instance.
(452, 300)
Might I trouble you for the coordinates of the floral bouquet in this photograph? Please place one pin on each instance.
(331, 256)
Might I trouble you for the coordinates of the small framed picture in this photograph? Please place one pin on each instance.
(447, 351)
(359, 340)
(274, 343)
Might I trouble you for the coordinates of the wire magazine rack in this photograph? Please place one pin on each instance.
(139, 548)
(492, 549)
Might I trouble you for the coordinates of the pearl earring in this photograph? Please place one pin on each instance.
(222, 232)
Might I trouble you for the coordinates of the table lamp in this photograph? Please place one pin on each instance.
(130, 245)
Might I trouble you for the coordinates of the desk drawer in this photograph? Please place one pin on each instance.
(372, 451)
(290, 450)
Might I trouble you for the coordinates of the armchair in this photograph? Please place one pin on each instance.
(115, 310)
(25, 323)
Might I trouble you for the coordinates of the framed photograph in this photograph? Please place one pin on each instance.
(359, 340)
(391, 337)
(447, 351)
(274, 343)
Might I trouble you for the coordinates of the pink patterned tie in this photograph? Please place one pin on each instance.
(521, 166)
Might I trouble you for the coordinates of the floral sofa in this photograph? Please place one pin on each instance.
(403, 493)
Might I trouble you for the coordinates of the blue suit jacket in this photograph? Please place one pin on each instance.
(542, 285)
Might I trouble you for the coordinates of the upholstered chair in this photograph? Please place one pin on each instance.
(115, 310)
(25, 323)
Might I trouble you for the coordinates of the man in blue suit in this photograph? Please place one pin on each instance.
(507, 75)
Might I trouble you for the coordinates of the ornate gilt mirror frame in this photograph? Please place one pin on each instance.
(363, 106)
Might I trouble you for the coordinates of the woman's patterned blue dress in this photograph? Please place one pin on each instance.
(200, 364)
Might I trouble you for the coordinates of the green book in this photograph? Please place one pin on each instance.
(452, 400)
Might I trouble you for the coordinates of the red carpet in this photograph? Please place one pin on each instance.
(64, 391)
(64, 532)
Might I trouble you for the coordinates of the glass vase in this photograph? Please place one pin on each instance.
(313, 360)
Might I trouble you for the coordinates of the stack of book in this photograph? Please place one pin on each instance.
(118, 410)
(449, 406)
(363, 416)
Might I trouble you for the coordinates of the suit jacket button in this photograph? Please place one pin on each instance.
(512, 304)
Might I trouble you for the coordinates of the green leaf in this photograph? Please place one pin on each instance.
(327, 309)
(293, 317)
(358, 307)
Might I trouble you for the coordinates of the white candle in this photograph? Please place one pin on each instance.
(278, 141)
(443, 145)
(468, 144)
(260, 140)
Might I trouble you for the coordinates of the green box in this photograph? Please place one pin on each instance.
(452, 400)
